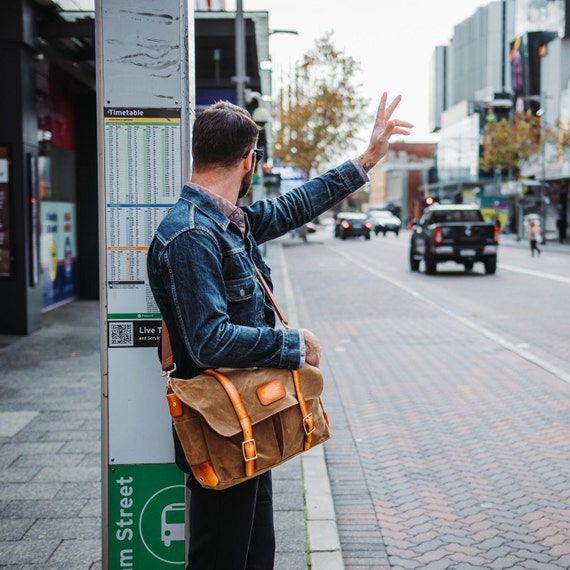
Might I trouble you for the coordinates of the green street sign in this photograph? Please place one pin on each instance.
(146, 517)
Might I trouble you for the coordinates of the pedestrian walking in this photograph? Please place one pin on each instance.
(201, 269)
(533, 232)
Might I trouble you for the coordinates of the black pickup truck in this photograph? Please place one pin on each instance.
(453, 233)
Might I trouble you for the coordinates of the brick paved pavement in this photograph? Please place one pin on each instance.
(447, 450)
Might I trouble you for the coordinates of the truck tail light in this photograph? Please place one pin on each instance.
(368, 225)
(438, 236)
(497, 232)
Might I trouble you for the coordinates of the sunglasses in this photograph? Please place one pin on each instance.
(259, 152)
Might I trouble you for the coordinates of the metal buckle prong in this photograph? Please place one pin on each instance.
(243, 444)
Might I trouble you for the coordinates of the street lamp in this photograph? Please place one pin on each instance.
(292, 32)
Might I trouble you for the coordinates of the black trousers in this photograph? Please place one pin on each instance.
(232, 529)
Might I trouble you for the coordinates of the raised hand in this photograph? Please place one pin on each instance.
(384, 128)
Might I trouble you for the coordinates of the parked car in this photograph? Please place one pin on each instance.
(384, 221)
(453, 233)
(352, 224)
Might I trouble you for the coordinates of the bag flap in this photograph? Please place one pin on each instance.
(206, 395)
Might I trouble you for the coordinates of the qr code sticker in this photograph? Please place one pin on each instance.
(121, 334)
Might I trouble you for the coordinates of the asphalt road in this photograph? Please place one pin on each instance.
(449, 402)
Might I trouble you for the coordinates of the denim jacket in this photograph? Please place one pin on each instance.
(202, 275)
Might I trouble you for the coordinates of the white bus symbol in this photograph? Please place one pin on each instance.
(172, 523)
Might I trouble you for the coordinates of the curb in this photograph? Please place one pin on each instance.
(320, 518)
(324, 543)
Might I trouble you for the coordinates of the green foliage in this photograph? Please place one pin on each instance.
(563, 136)
(319, 112)
(507, 145)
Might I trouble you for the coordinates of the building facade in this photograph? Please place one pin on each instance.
(509, 56)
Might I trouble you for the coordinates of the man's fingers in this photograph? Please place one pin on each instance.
(392, 106)
(396, 127)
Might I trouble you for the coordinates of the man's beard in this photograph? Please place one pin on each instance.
(245, 186)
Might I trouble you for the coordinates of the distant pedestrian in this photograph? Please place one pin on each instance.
(533, 232)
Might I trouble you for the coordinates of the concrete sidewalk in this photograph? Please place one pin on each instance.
(50, 453)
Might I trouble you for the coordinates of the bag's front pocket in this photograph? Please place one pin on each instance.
(292, 423)
(191, 435)
(268, 444)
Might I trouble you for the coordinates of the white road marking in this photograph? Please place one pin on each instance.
(535, 273)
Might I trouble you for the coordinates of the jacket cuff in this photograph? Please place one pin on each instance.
(293, 354)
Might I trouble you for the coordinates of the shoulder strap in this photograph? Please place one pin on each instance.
(166, 351)
(272, 298)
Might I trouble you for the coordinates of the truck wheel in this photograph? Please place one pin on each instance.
(431, 265)
(491, 265)
(414, 263)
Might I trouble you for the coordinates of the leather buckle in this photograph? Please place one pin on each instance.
(244, 451)
(309, 424)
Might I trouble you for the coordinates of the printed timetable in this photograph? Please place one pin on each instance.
(141, 155)
(142, 182)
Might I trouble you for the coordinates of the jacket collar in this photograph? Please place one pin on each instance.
(201, 200)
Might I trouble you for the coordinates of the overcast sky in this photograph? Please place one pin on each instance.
(393, 41)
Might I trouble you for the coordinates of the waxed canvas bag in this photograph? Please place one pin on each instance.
(237, 423)
(234, 424)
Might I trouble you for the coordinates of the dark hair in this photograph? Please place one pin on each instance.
(222, 134)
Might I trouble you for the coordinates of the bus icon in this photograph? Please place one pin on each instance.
(172, 523)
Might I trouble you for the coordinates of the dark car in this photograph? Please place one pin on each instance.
(384, 221)
(456, 233)
(352, 224)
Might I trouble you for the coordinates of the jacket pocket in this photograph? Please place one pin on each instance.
(240, 289)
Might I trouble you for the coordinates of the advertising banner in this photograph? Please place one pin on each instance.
(58, 251)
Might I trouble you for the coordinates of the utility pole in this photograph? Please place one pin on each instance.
(542, 116)
(240, 79)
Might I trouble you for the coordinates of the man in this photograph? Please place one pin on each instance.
(201, 267)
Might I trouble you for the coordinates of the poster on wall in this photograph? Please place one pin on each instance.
(5, 242)
(58, 252)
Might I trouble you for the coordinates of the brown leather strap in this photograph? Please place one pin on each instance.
(272, 298)
(248, 443)
(308, 420)
(166, 350)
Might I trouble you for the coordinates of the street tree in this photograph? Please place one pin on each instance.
(563, 136)
(319, 111)
(508, 145)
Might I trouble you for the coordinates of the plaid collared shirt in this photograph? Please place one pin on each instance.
(229, 209)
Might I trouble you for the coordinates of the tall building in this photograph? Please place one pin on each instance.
(511, 55)
(470, 77)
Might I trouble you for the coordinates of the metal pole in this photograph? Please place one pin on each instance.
(543, 158)
(240, 78)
